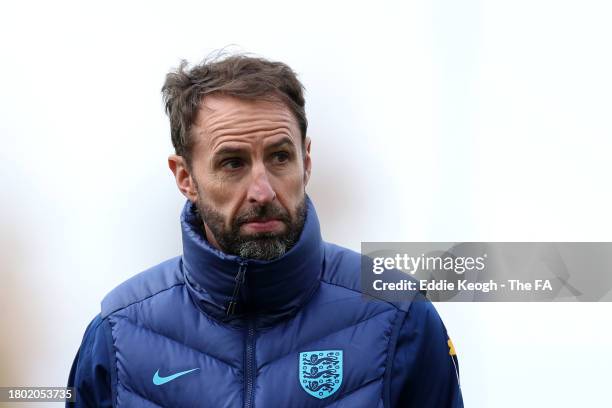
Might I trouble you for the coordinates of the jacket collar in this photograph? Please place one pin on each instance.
(271, 289)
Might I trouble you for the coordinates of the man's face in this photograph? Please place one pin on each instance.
(249, 172)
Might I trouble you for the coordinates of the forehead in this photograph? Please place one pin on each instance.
(224, 118)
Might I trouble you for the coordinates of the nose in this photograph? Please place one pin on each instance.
(260, 190)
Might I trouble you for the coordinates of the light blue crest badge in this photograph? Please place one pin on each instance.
(321, 372)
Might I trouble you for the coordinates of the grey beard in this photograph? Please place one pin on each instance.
(262, 246)
(265, 248)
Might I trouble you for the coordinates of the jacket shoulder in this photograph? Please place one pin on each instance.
(143, 285)
(343, 267)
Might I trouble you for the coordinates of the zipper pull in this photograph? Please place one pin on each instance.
(240, 277)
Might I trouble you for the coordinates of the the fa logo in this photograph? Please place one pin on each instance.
(321, 372)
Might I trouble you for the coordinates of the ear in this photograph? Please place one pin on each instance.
(307, 161)
(185, 183)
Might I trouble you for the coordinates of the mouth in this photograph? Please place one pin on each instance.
(263, 225)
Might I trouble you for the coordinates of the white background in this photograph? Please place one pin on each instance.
(430, 120)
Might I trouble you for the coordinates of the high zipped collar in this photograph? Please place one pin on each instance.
(270, 290)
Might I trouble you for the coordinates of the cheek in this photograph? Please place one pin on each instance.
(289, 183)
(290, 191)
(225, 198)
(216, 189)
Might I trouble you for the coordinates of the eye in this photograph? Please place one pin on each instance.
(232, 164)
(281, 157)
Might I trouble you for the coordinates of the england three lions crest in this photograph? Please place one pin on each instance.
(321, 372)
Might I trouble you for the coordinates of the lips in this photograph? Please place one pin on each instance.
(263, 225)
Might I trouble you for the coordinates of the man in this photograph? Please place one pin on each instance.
(258, 311)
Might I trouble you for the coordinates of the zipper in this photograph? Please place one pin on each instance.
(249, 350)
(231, 307)
(249, 367)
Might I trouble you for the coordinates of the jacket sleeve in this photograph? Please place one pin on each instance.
(425, 371)
(91, 370)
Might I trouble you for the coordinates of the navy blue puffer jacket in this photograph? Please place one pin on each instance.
(301, 335)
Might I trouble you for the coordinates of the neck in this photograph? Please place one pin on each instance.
(268, 289)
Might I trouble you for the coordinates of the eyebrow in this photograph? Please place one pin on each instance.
(285, 140)
(228, 150)
(232, 150)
